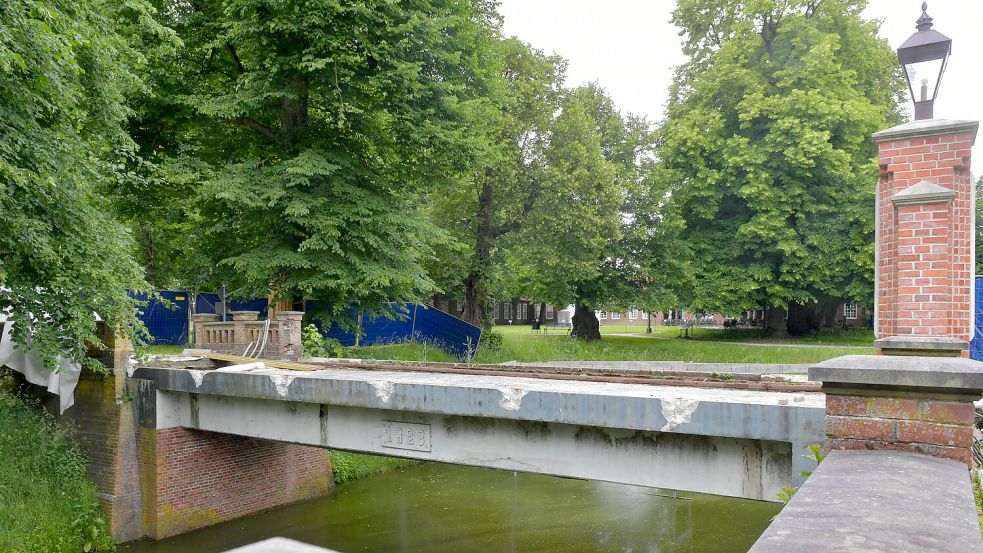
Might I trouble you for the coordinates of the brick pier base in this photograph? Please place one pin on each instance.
(192, 478)
(935, 427)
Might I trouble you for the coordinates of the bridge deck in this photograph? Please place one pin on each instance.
(533, 424)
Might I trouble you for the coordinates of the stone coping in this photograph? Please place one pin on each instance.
(952, 373)
(927, 127)
(922, 342)
(879, 501)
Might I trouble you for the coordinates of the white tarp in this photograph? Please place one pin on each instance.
(60, 382)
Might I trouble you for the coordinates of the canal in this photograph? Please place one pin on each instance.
(434, 507)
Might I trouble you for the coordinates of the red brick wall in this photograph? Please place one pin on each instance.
(935, 427)
(192, 478)
(925, 260)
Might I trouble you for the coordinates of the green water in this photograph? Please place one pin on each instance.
(445, 508)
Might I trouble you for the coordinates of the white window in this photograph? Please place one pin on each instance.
(460, 306)
(633, 314)
(850, 310)
(615, 315)
(508, 311)
(602, 315)
(550, 314)
(523, 311)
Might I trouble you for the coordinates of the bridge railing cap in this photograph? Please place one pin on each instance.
(950, 373)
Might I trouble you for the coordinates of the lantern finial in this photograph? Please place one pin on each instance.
(924, 22)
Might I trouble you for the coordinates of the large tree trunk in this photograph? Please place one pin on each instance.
(542, 313)
(475, 285)
(798, 319)
(776, 324)
(585, 325)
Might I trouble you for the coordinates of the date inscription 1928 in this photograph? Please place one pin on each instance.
(406, 435)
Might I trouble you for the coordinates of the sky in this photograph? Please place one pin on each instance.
(630, 47)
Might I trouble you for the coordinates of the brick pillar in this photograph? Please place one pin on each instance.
(291, 323)
(925, 224)
(103, 417)
(918, 394)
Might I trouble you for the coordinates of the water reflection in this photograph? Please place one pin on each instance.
(446, 508)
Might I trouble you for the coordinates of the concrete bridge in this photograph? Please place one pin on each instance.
(735, 443)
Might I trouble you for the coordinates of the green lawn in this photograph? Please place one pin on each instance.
(518, 346)
(705, 345)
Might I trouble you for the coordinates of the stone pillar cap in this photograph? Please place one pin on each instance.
(927, 127)
(205, 316)
(928, 343)
(952, 373)
(245, 315)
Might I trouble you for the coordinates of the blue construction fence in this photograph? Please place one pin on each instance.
(976, 344)
(413, 322)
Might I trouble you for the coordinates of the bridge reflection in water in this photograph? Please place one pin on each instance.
(445, 508)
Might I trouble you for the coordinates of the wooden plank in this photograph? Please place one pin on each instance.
(238, 360)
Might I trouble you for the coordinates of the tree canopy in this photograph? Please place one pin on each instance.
(310, 133)
(66, 71)
(766, 146)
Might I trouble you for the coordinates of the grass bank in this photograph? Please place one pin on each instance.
(46, 503)
(346, 467)
(524, 346)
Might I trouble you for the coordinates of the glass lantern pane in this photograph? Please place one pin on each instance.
(924, 77)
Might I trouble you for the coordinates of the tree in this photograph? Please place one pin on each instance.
(65, 74)
(575, 252)
(766, 144)
(492, 200)
(309, 132)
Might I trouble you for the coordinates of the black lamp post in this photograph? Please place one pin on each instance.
(923, 57)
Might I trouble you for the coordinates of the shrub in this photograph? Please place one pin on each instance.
(492, 340)
(46, 503)
(316, 345)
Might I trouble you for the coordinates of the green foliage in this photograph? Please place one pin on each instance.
(316, 345)
(305, 135)
(492, 340)
(46, 503)
(815, 454)
(346, 466)
(484, 205)
(766, 147)
(65, 73)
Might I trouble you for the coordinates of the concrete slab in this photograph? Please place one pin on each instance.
(879, 501)
(730, 442)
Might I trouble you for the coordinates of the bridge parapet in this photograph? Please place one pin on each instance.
(245, 333)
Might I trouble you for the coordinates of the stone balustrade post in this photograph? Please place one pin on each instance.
(239, 319)
(291, 323)
(198, 321)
